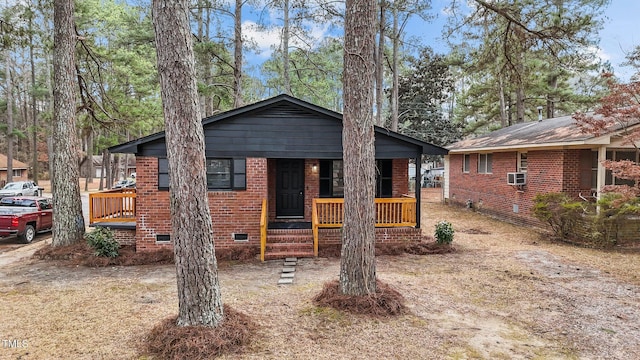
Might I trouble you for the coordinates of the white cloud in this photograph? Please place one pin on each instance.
(318, 31)
(600, 53)
(265, 39)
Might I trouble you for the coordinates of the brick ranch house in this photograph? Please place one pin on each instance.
(500, 173)
(20, 170)
(274, 173)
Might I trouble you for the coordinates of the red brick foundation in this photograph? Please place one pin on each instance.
(125, 236)
(399, 236)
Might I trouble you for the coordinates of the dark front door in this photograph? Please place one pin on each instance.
(290, 188)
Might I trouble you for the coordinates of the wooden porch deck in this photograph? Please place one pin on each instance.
(113, 206)
(329, 213)
(118, 208)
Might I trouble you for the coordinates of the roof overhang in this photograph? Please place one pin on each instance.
(582, 144)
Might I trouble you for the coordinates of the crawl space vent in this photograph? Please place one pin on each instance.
(163, 238)
(240, 237)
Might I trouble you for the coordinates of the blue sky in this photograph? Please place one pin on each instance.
(620, 35)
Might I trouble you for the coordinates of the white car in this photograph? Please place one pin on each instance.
(19, 188)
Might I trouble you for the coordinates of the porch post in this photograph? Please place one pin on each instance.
(601, 177)
(418, 187)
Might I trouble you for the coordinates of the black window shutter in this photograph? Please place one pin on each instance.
(239, 174)
(163, 174)
(326, 167)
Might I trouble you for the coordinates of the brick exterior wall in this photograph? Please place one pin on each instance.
(271, 183)
(235, 212)
(399, 236)
(547, 171)
(232, 212)
(125, 236)
(621, 232)
(400, 174)
(311, 185)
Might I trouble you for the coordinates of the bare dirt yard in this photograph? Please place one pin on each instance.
(507, 292)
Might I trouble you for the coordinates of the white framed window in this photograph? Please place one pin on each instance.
(522, 161)
(466, 163)
(617, 155)
(485, 163)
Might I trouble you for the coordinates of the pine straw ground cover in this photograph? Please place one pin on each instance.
(505, 293)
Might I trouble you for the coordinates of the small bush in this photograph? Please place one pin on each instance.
(444, 232)
(616, 204)
(559, 211)
(102, 242)
(615, 209)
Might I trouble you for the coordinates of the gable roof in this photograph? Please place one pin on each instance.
(257, 122)
(15, 163)
(556, 132)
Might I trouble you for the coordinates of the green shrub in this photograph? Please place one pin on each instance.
(102, 242)
(559, 211)
(581, 221)
(444, 232)
(615, 204)
(615, 208)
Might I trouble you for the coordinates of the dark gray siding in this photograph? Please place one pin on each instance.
(281, 127)
(283, 131)
(277, 132)
(155, 148)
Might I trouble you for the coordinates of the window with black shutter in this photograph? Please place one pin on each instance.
(222, 174)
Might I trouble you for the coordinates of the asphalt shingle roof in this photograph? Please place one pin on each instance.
(15, 164)
(556, 131)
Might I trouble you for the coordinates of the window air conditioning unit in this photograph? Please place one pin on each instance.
(517, 178)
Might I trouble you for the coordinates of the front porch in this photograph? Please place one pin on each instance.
(282, 149)
(396, 218)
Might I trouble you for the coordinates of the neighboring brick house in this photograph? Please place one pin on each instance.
(20, 170)
(501, 172)
(284, 151)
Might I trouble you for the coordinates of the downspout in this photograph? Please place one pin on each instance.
(418, 188)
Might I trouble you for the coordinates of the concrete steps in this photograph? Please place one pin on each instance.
(288, 271)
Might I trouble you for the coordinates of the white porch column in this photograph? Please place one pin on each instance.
(602, 155)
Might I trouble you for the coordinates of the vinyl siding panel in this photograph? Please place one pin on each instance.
(283, 131)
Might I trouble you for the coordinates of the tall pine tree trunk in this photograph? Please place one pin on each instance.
(503, 105)
(285, 49)
(520, 102)
(104, 166)
(68, 223)
(10, 135)
(395, 71)
(237, 55)
(34, 111)
(199, 298)
(357, 263)
(551, 96)
(89, 167)
(380, 64)
(210, 107)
